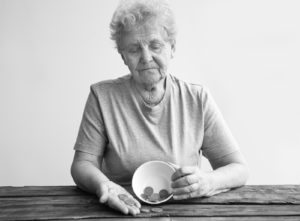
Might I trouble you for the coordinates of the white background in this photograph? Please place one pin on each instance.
(246, 52)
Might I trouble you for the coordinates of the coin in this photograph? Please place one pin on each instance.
(145, 210)
(122, 196)
(163, 194)
(126, 199)
(154, 197)
(148, 190)
(156, 209)
(144, 196)
(129, 202)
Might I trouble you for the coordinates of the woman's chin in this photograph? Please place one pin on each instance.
(150, 77)
(151, 80)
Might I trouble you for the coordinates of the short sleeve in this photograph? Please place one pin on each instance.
(91, 137)
(218, 140)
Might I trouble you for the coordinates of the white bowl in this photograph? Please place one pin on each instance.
(156, 174)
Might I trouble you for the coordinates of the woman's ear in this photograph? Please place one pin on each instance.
(173, 49)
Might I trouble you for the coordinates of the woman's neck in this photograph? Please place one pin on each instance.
(152, 94)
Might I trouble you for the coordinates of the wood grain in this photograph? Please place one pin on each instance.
(9, 191)
(241, 218)
(260, 218)
(54, 210)
(68, 203)
(260, 194)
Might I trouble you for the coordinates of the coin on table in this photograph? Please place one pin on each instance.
(148, 190)
(145, 210)
(156, 209)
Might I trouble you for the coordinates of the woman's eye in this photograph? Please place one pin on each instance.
(156, 46)
(133, 50)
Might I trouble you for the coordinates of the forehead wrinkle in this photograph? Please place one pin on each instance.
(144, 34)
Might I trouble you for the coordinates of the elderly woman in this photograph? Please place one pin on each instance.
(152, 115)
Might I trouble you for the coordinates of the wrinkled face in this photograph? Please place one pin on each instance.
(147, 53)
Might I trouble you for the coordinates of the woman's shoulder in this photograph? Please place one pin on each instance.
(184, 86)
(108, 85)
(193, 92)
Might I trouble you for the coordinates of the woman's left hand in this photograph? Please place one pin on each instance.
(191, 182)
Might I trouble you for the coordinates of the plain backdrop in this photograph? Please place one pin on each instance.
(246, 52)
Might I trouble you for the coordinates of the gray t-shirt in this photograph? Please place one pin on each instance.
(120, 128)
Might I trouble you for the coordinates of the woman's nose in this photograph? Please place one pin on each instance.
(146, 55)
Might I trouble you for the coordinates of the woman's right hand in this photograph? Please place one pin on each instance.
(116, 197)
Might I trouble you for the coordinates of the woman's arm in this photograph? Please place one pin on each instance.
(229, 171)
(87, 175)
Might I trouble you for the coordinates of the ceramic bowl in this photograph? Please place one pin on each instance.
(154, 174)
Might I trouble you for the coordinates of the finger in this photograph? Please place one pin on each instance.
(187, 189)
(182, 172)
(133, 210)
(184, 181)
(137, 203)
(185, 196)
(176, 167)
(129, 200)
(117, 204)
(104, 193)
(132, 204)
(128, 195)
(104, 197)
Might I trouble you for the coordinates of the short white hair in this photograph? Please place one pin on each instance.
(131, 13)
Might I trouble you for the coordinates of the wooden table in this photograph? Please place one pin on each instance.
(68, 203)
